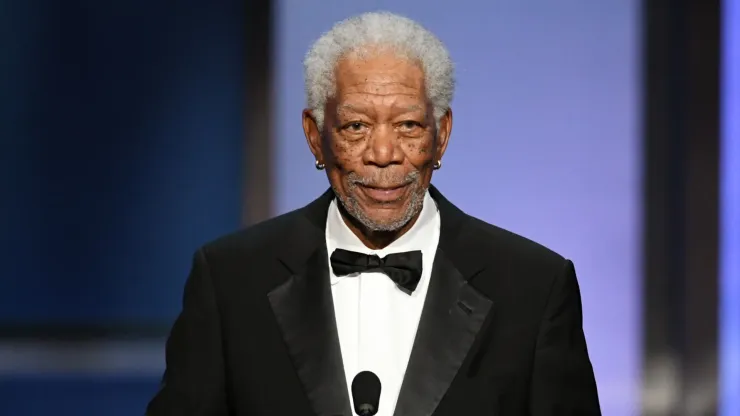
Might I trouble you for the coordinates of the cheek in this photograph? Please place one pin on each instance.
(419, 152)
(346, 154)
(336, 180)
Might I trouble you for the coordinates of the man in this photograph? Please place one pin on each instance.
(381, 273)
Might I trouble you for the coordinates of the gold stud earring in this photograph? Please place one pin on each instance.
(319, 165)
(437, 164)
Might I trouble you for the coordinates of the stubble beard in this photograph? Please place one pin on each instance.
(351, 204)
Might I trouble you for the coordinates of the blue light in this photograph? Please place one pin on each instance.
(730, 214)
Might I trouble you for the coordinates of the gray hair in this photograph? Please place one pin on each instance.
(385, 30)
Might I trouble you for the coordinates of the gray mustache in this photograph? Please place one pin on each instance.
(383, 179)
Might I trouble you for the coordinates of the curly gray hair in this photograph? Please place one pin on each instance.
(378, 30)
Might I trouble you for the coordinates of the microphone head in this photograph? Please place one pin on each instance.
(366, 393)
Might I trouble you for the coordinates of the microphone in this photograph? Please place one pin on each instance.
(366, 393)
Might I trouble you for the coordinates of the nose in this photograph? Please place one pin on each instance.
(384, 147)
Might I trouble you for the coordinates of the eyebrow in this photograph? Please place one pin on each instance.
(352, 108)
(410, 108)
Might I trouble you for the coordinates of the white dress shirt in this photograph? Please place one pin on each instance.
(376, 321)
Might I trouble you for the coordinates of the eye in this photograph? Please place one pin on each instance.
(409, 126)
(355, 127)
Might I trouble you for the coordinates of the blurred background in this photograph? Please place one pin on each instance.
(133, 132)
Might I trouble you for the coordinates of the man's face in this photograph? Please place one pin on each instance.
(379, 140)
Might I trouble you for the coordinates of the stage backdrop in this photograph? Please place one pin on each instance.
(121, 144)
(545, 142)
(730, 213)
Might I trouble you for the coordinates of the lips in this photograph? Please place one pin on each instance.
(384, 194)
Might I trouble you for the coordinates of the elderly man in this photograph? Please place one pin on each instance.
(381, 273)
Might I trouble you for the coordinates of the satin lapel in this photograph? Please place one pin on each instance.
(304, 310)
(453, 314)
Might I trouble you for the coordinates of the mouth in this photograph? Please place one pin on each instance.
(384, 193)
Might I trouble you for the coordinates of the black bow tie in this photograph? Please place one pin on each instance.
(403, 268)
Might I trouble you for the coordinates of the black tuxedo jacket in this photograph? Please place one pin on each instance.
(500, 332)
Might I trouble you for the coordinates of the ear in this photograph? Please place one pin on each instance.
(443, 134)
(313, 135)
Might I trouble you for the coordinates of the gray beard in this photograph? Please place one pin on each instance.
(352, 206)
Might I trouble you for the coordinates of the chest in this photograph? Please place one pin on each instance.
(376, 326)
(492, 379)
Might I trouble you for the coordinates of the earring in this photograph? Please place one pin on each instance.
(319, 165)
(437, 164)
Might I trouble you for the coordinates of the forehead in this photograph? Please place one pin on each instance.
(383, 74)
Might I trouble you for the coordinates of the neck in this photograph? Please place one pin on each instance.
(374, 240)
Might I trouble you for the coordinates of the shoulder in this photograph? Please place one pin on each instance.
(248, 262)
(523, 262)
(476, 241)
(299, 227)
(513, 245)
(255, 243)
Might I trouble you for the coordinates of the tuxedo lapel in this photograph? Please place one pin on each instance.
(453, 314)
(304, 310)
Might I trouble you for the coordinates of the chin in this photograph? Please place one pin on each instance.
(385, 226)
(385, 221)
(387, 216)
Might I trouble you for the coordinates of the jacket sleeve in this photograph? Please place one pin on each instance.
(563, 380)
(194, 379)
